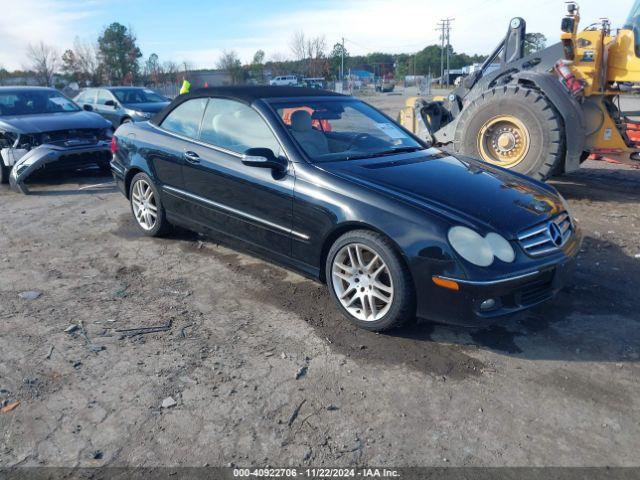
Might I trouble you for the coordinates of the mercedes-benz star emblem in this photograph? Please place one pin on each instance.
(555, 234)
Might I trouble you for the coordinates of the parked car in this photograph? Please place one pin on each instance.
(40, 126)
(395, 228)
(123, 104)
(284, 81)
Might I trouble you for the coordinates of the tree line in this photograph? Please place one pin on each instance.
(116, 59)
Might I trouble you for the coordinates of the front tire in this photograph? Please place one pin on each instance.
(4, 173)
(369, 281)
(146, 207)
(513, 127)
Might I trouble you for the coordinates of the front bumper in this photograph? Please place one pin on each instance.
(67, 157)
(479, 302)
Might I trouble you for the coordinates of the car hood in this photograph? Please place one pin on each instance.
(146, 107)
(464, 189)
(48, 122)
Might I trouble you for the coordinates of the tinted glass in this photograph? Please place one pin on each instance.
(137, 95)
(329, 130)
(633, 23)
(185, 118)
(236, 127)
(29, 102)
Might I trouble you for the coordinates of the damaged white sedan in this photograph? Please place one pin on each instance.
(40, 127)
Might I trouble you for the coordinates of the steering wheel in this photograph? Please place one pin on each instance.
(353, 141)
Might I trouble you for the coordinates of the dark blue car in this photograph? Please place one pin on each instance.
(329, 186)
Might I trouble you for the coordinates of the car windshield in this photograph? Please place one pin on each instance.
(137, 95)
(342, 129)
(32, 102)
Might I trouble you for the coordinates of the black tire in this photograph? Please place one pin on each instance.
(4, 172)
(161, 225)
(534, 110)
(104, 167)
(402, 309)
(126, 120)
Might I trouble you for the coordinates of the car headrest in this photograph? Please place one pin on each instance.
(301, 121)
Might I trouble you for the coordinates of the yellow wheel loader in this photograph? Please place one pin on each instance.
(544, 113)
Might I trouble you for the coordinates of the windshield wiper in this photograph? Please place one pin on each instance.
(393, 151)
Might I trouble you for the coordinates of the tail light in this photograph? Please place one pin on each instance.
(568, 79)
(114, 145)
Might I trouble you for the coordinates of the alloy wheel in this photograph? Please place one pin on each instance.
(144, 205)
(362, 282)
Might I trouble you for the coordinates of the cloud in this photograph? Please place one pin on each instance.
(55, 23)
(410, 25)
(367, 25)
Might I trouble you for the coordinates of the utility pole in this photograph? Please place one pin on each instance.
(342, 62)
(449, 20)
(444, 27)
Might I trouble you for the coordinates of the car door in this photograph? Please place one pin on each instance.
(251, 203)
(110, 112)
(177, 134)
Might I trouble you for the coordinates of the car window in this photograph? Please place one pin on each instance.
(185, 118)
(34, 101)
(137, 95)
(236, 127)
(103, 96)
(342, 129)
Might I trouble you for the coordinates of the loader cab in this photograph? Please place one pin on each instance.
(623, 63)
(633, 24)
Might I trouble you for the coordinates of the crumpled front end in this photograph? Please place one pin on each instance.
(65, 154)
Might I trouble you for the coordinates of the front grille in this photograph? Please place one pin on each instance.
(546, 237)
(90, 134)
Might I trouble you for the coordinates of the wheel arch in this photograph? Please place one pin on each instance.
(132, 172)
(350, 226)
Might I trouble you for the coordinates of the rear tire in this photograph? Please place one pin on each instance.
(364, 267)
(146, 207)
(513, 127)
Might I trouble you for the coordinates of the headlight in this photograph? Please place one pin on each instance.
(480, 250)
(471, 246)
(143, 114)
(500, 247)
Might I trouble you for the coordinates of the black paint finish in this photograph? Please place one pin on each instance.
(413, 198)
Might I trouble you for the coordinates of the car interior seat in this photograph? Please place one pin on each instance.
(311, 140)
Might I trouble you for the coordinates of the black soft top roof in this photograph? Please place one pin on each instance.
(250, 93)
(246, 94)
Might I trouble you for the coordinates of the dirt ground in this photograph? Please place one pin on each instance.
(264, 371)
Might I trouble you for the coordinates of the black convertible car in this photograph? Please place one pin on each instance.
(41, 127)
(331, 187)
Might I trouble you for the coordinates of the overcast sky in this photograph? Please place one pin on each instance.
(198, 30)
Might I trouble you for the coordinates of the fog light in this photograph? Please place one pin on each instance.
(488, 304)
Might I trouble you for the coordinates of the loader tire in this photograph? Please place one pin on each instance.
(513, 127)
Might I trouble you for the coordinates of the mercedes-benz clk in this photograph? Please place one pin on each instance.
(327, 185)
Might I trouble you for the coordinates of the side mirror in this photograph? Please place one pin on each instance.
(87, 107)
(264, 158)
(111, 103)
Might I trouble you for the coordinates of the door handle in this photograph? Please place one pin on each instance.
(191, 157)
